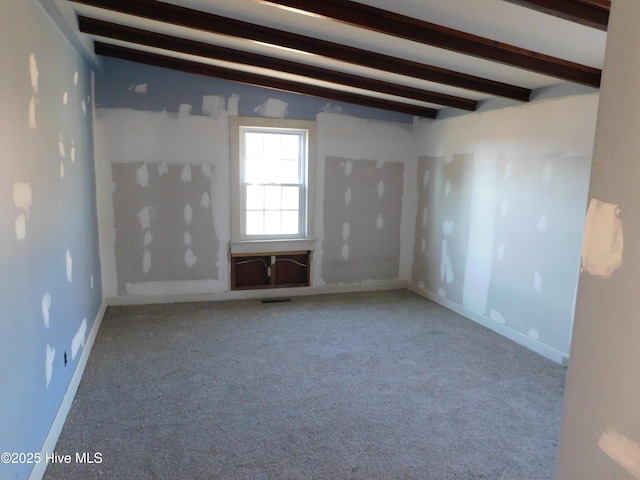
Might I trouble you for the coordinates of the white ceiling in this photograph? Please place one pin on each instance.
(493, 19)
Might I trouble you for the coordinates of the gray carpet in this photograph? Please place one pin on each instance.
(383, 385)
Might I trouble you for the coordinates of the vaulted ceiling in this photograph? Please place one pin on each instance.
(410, 56)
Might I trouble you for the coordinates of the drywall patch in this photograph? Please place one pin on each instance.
(75, 79)
(61, 169)
(61, 149)
(348, 167)
(189, 258)
(147, 239)
(447, 227)
(184, 110)
(22, 196)
(84, 107)
(328, 108)
(213, 105)
(542, 223)
(69, 266)
(188, 214)
(497, 317)
(345, 231)
(50, 356)
(446, 270)
(603, 239)
(380, 189)
(186, 239)
(622, 450)
(442, 292)
(423, 245)
(537, 282)
(232, 104)
(347, 197)
(379, 222)
(207, 170)
(345, 251)
(272, 108)
(141, 88)
(144, 217)
(46, 307)
(78, 339)
(72, 152)
(91, 281)
(185, 175)
(205, 201)
(21, 227)
(146, 261)
(533, 333)
(142, 175)
(425, 216)
(163, 169)
(33, 73)
(22, 199)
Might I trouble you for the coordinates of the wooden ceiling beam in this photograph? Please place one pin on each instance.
(208, 22)
(591, 13)
(258, 80)
(401, 26)
(143, 37)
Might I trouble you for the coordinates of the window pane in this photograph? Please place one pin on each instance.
(253, 144)
(287, 171)
(272, 198)
(290, 221)
(255, 197)
(255, 223)
(290, 147)
(272, 223)
(290, 198)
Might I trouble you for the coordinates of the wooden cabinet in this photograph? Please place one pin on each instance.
(270, 270)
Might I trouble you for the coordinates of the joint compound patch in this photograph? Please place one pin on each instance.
(272, 108)
(48, 363)
(622, 450)
(603, 239)
(78, 339)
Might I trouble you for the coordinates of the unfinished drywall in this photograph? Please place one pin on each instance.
(50, 291)
(501, 208)
(600, 436)
(353, 156)
(164, 231)
(362, 220)
(161, 135)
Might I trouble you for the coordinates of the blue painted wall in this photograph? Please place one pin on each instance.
(48, 232)
(167, 89)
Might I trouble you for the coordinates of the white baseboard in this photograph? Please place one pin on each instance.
(520, 338)
(65, 406)
(257, 294)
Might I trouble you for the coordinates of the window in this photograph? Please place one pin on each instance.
(272, 166)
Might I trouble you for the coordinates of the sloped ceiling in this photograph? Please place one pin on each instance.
(409, 56)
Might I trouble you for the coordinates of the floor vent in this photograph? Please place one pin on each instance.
(275, 300)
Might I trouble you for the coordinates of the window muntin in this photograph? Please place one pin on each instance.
(273, 181)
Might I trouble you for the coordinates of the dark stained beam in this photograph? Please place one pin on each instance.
(191, 47)
(258, 80)
(176, 15)
(592, 13)
(401, 26)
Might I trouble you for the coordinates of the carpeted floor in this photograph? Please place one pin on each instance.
(383, 385)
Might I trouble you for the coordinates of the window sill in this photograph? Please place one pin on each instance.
(273, 246)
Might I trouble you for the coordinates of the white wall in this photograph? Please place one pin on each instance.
(600, 437)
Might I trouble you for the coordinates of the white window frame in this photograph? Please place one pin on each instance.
(238, 236)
